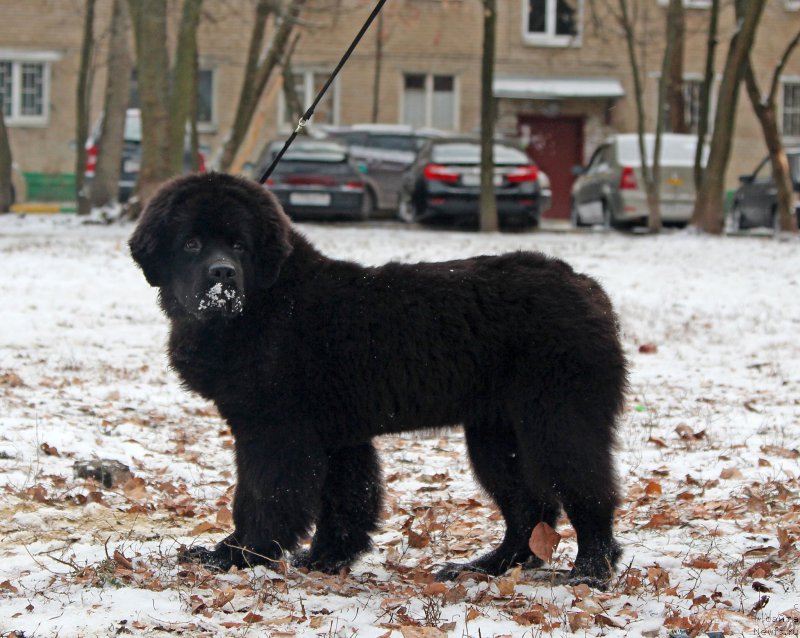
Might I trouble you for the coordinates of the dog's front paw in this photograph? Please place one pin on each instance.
(211, 559)
(305, 559)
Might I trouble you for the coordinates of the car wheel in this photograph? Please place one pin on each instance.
(406, 212)
(776, 221)
(367, 207)
(575, 216)
(734, 221)
(607, 222)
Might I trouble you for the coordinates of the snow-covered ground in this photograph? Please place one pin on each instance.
(708, 453)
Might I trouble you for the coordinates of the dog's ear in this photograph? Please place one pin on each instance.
(275, 241)
(148, 243)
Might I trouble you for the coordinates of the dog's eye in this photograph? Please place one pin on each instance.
(238, 246)
(192, 245)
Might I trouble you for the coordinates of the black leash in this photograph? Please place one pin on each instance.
(307, 115)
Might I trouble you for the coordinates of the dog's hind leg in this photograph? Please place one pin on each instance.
(495, 460)
(349, 511)
(577, 461)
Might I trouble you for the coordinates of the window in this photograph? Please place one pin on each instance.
(206, 117)
(691, 106)
(24, 89)
(551, 22)
(429, 101)
(791, 108)
(690, 4)
(307, 84)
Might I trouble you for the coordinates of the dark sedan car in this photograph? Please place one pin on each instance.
(316, 180)
(755, 203)
(443, 184)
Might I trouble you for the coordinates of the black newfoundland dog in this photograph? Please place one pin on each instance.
(308, 358)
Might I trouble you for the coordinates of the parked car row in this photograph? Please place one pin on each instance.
(429, 176)
(424, 175)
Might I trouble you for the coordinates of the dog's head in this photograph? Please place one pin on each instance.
(209, 241)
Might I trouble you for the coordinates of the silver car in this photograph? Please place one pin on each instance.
(610, 191)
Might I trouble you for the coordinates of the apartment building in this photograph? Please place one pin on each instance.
(562, 77)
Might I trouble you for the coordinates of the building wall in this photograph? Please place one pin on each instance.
(420, 36)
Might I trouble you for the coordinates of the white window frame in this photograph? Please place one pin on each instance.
(692, 77)
(307, 97)
(787, 79)
(429, 98)
(549, 38)
(210, 126)
(17, 58)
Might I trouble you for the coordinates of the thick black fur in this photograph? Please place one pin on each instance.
(309, 358)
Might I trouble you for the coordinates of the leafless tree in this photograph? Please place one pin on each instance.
(766, 111)
(258, 69)
(105, 185)
(676, 36)
(82, 97)
(5, 166)
(164, 113)
(705, 93)
(708, 208)
(488, 203)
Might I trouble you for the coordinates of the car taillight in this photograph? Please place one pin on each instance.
(91, 160)
(201, 162)
(270, 182)
(627, 181)
(354, 185)
(523, 174)
(439, 173)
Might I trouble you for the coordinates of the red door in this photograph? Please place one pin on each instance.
(556, 145)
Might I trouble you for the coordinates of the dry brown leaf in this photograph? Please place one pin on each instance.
(544, 540)
(731, 473)
(224, 517)
(251, 617)
(653, 488)
(579, 620)
(134, 488)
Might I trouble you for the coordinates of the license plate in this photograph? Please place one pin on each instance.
(130, 166)
(310, 199)
(474, 179)
(675, 181)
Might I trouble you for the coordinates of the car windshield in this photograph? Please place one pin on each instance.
(470, 153)
(675, 150)
(394, 142)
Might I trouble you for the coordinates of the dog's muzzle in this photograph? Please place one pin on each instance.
(223, 293)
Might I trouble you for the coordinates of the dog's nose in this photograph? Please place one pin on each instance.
(221, 271)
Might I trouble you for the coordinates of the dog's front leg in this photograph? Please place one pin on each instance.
(280, 478)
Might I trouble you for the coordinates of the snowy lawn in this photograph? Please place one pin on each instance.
(708, 455)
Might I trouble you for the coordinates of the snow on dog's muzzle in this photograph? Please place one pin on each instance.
(222, 299)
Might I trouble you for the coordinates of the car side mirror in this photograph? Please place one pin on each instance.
(578, 170)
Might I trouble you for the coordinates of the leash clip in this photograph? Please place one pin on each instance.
(301, 124)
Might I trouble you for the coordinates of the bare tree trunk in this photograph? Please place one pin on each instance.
(294, 105)
(82, 106)
(183, 82)
(105, 185)
(149, 18)
(705, 94)
(376, 85)
(5, 167)
(488, 202)
(647, 174)
(675, 98)
(709, 204)
(766, 111)
(257, 74)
